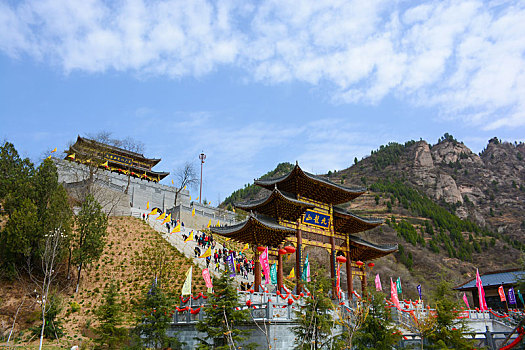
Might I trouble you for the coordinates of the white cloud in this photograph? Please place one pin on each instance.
(466, 58)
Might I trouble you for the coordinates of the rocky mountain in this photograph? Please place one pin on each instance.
(450, 210)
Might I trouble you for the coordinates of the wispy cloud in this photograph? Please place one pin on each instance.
(466, 58)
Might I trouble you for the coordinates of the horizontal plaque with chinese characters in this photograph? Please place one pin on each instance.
(316, 219)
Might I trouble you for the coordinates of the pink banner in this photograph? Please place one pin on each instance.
(466, 300)
(338, 285)
(393, 294)
(207, 279)
(378, 283)
(263, 258)
(481, 293)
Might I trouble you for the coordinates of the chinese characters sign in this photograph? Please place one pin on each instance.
(316, 219)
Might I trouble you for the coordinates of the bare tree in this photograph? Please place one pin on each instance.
(185, 176)
(90, 178)
(50, 260)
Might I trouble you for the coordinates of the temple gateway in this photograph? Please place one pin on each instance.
(301, 209)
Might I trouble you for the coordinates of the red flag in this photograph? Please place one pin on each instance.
(338, 281)
(501, 292)
(393, 294)
(481, 293)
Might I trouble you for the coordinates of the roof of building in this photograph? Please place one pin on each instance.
(311, 186)
(347, 222)
(256, 230)
(100, 145)
(119, 159)
(366, 251)
(496, 278)
(277, 205)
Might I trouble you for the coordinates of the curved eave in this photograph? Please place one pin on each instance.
(366, 251)
(311, 186)
(347, 222)
(277, 204)
(256, 231)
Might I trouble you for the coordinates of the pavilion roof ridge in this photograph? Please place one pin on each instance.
(311, 186)
(275, 193)
(369, 220)
(119, 149)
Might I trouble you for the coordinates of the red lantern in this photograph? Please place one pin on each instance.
(371, 265)
(249, 302)
(341, 259)
(301, 294)
(290, 301)
(359, 263)
(261, 249)
(290, 249)
(282, 251)
(251, 291)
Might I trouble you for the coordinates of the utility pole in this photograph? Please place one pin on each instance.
(202, 157)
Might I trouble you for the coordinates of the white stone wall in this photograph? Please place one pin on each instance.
(140, 191)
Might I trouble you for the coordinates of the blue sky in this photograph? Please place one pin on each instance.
(253, 84)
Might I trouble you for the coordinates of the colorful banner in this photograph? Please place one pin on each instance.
(378, 283)
(338, 281)
(512, 296)
(207, 278)
(501, 293)
(306, 270)
(316, 219)
(231, 265)
(521, 297)
(398, 285)
(393, 294)
(263, 258)
(273, 273)
(186, 288)
(419, 291)
(466, 300)
(481, 293)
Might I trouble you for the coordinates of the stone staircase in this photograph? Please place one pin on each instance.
(186, 248)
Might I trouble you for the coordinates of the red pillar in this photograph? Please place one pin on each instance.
(363, 283)
(333, 273)
(257, 271)
(279, 272)
(349, 275)
(298, 260)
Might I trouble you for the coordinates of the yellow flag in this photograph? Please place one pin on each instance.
(207, 253)
(190, 237)
(197, 199)
(190, 197)
(233, 210)
(184, 186)
(209, 224)
(105, 164)
(227, 239)
(147, 205)
(48, 157)
(209, 203)
(168, 219)
(72, 156)
(193, 212)
(292, 274)
(162, 216)
(153, 212)
(172, 182)
(245, 247)
(54, 150)
(186, 288)
(176, 229)
(218, 223)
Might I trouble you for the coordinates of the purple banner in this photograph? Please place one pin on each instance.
(231, 265)
(512, 296)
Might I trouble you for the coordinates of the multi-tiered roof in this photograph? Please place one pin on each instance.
(290, 197)
(115, 159)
